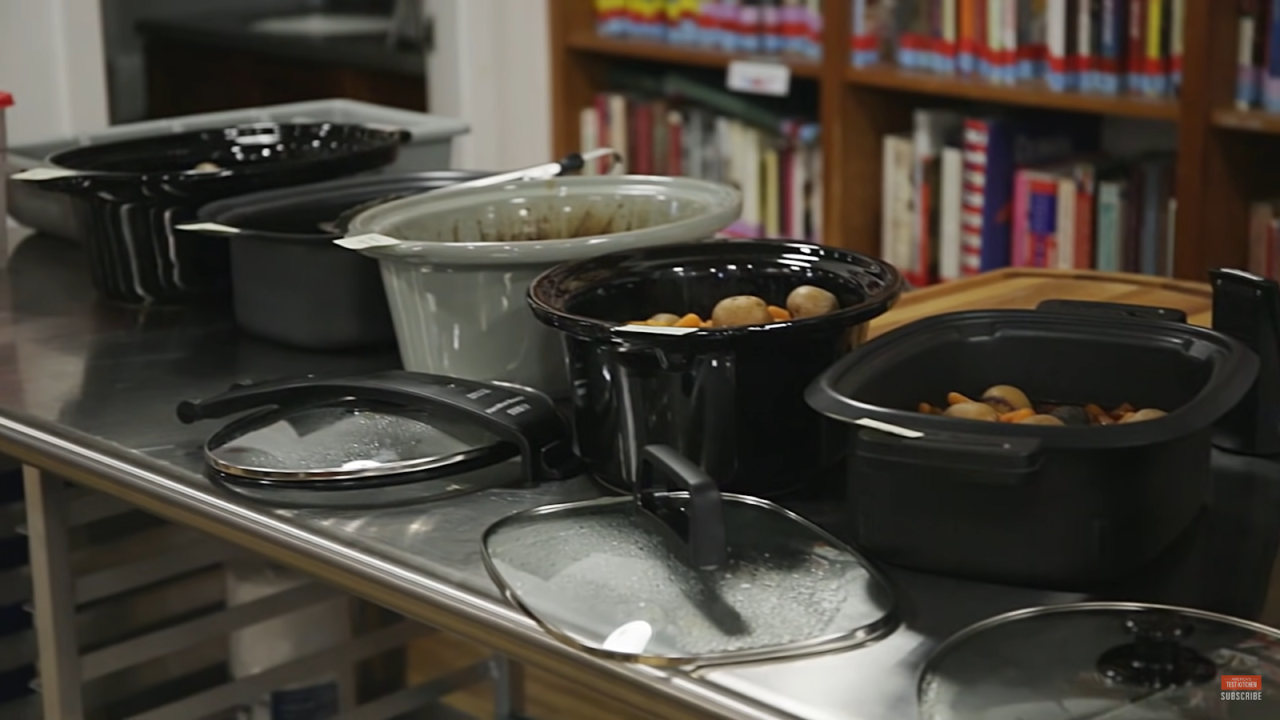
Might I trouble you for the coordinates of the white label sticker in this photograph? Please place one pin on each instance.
(758, 78)
(208, 227)
(38, 174)
(888, 428)
(657, 329)
(361, 242)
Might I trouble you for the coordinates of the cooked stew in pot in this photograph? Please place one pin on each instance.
(1006, 403)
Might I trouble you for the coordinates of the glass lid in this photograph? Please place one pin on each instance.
(1105, 661)
(348, 440)
(680, 577)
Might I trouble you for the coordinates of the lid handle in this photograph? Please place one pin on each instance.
(522, 416)
(701, 525)
(1156, 658)
(1093, 308)
(1247, 308)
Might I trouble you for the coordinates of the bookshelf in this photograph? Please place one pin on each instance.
(1223, 155)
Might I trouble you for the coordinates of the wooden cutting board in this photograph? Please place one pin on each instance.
(1024, 288)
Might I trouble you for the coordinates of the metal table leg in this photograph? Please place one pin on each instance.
(53, 595)
(508, 688)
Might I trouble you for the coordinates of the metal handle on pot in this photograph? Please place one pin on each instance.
(981, 459)
(572, 162)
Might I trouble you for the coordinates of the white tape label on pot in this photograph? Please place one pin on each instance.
(38, 174)
(888, 428)
(657, 329)
(208, 227)
(361, 242)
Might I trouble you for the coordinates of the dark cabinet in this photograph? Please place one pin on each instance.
(185, 78)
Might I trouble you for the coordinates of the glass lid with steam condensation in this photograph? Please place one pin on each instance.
(377, 430)
(1105, 661)
(681, 574)
(348, 440)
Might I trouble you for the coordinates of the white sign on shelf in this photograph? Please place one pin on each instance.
(759, 78)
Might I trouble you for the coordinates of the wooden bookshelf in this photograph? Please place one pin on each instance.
(1220, 150)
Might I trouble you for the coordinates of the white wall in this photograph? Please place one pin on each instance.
(491, 68)
(51, 60)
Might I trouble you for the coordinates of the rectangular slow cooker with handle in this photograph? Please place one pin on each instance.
(1058, 507)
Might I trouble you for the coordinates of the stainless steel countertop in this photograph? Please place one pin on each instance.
(88, 391)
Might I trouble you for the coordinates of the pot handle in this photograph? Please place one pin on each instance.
(701, 525)
(1093, 308)
(520, 415)
(983, 459)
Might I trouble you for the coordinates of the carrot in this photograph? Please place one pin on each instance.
(955, 398)
(1017, 415)
(779, 314)
(689, 321)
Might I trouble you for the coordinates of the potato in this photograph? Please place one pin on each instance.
(972, 411)
(741, 310)
(1006, 398)
(808, 301)
(1143, 414)
(664, 319)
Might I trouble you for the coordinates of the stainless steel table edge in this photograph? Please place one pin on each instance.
(143, 481)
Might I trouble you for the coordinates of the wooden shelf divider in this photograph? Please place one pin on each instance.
(588, 43)
(858, 106)
(1024, 95)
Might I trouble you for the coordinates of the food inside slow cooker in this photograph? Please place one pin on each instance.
(1008, 404)
(207, 166)
(805, 301)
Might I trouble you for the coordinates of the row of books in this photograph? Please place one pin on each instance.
(780, 176)
(792, 27)
(1094, 46)
(1258, 55)
(964, 195)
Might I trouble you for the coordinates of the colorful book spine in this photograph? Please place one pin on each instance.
(1137, 47)
(1086, 48)
(1032, 52)
(1009, 43)
(977, 136)
(1177, 37)
(967, 14)
(770, 27)
(1154, 73)
(1086, 196)
(1111, 43)
(864, 42)
(1248, 31)
(946, 47)
(611, 18)
(1109, 226)
(1060, 73)
(1271, 77)
(988, 41)
(812, 47)
(1042, 219)
(1020, 238)
(750, 33)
